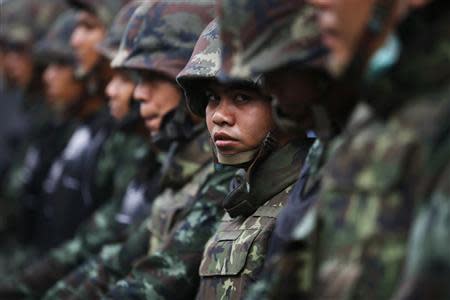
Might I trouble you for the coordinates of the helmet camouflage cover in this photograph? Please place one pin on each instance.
(105, 10)
(261, 35)
(161, 35)
(110, 45)
(54, 46)
(26, 21)
(204, 64)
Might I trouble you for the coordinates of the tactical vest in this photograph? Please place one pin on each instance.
(235, 255)
(194, 162)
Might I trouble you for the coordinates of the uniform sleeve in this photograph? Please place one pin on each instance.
(101, 229)
(92, 279)
(172, 272)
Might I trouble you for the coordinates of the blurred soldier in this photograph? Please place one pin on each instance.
(110, 223)
(23, 186)
(23, 110)
(353, 243)
(63, 91)
(80, 180)
(408, 157)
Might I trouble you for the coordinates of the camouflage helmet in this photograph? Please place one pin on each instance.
(54, 46)
(204, 64)
(261, 35)
(105, 10)
(23, 22)
(161, 35)
(110, 45)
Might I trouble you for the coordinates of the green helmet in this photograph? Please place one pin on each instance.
(54, 46)
(161, 35)
(261, 35)
(105, 10)
(205, 63)
(110, 45)
(23, 22)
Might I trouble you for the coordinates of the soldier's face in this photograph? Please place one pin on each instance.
(158, 96)
(120, 91)
(238, 118)
(88, 33)
(18, 67)
(342, 23)
(61, 87)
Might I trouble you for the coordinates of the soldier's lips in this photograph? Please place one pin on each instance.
(224, 141)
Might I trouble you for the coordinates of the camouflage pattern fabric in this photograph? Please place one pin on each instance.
(192, 163)
(204, 64)
(235, 255)
(110, 45)
(161, 35)
(388, 184)
(26, 21)
(54, 44)
(171, 272)
(373, 185)
(259, 36)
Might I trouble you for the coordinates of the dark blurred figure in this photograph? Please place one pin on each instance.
(80, 180)
(23, 113)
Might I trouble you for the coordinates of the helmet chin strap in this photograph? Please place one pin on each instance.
(267, 145)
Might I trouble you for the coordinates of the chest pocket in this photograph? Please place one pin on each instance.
(226, 253)
(240, 245)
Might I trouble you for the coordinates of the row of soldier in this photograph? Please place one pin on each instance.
(232, 149)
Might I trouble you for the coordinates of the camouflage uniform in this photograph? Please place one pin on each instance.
(235, 254)
(285, 34)
(353, 243)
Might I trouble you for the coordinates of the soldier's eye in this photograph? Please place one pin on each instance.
(242, 98)
(211, 96)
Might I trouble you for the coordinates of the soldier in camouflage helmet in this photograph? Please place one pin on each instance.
(23, 23)
(231, 263)
(283, 47)
(357, 234)
(380, 49)
(63, 90)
